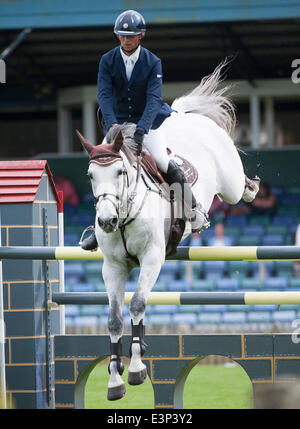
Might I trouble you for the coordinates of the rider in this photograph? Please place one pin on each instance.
(129, 90)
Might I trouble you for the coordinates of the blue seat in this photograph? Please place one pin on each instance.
(294, 283)
(130, 286)
(268, 266)
(159, 319)
(184, 318)
(241, 220)
(209, 317)
(234, 317)
(251, 283)
(283, 220)
(284, 316)
(253, 230)
(170, 267)
(71, 239)
(259, 316)
(214, 269)
(72, 310)
(164, 309)
(214, 308)
(73, 268)
(204, 285)
(189, 308)
(272, 240)
(82, 287)
(178, 285)
(238, 269)
(265, 307)
(227, 284)
(276, 283)
(86, 321)
(159, 286)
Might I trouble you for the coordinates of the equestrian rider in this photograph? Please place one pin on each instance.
(129, 90)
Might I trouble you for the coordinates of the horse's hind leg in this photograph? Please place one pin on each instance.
(114, 277)
(150, 268)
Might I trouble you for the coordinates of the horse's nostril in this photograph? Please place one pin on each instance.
(114, 221)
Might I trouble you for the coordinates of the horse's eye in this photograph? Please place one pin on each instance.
(90, 175)
(119, 172)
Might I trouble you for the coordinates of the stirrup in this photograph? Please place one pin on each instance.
(206, 223)
(89, 228)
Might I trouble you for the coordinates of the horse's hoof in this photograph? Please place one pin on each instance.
(139, 377)
(115, 393)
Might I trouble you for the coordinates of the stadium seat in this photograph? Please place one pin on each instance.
(82, 287)
(259, 316)
(265, 307)
(130, 286)
(178, 286)
(204, 285)
(251, 283)
(239, 307)
(227, 284)
(255, 266)
(93, 267)
(209, 317)
(232, 231)
(253, 230)
(91, 310)
(284, 316)
(71, 239)
(234, 317)
(159, 286)
(241, 220)
(259, 220)
(283, 220)
(214, 308)
(284, 268)
(248, 240)
(238, 269)
(189, 308)
(86, 321)
(294, 283)
(184, 318)
(276, 283)
(72, 310)
(214, 270)
(164, 309)
(276, 229)
(159, 319)
(74, 269)
(272, 240)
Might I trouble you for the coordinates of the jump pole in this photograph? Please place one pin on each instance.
(184, 298)
(184, 253)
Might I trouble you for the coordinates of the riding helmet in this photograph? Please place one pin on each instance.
(130, 23)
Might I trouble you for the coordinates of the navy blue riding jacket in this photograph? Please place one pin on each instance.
(137, 100)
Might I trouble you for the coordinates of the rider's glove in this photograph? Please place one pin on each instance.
(138, 138)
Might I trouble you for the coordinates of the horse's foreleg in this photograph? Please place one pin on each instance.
(115, 277)
(150, 268)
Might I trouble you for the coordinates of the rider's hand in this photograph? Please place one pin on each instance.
(138, 138)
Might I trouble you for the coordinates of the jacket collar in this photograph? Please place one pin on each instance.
(136, 67)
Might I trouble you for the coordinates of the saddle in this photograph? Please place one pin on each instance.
(177, 224)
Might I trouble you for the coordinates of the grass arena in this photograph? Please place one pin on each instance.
(44, 368)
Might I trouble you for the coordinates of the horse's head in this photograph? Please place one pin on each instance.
(108, 178)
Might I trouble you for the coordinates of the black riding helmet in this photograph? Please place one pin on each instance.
(130, 23)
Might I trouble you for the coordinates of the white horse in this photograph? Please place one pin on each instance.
(133, 219)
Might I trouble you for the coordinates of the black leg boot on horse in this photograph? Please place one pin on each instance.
(137, 375)
(196, 214)
(115, 370)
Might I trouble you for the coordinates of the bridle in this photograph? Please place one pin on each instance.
(118, 200)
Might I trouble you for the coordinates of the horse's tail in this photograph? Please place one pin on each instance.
(206, 100)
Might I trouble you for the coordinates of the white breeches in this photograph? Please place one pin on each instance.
(156, 145)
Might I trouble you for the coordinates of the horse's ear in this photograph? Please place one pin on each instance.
(118, 142)
(85, 143)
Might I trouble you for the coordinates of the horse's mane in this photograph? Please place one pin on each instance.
(129, 145)
(206, 100)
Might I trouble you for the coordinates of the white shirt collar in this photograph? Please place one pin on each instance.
(133, 57)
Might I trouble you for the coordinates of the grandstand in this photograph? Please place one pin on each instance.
(278, 229)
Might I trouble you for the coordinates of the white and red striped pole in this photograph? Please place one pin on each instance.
(61, 264)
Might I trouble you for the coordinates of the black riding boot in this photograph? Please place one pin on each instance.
(197, 217)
